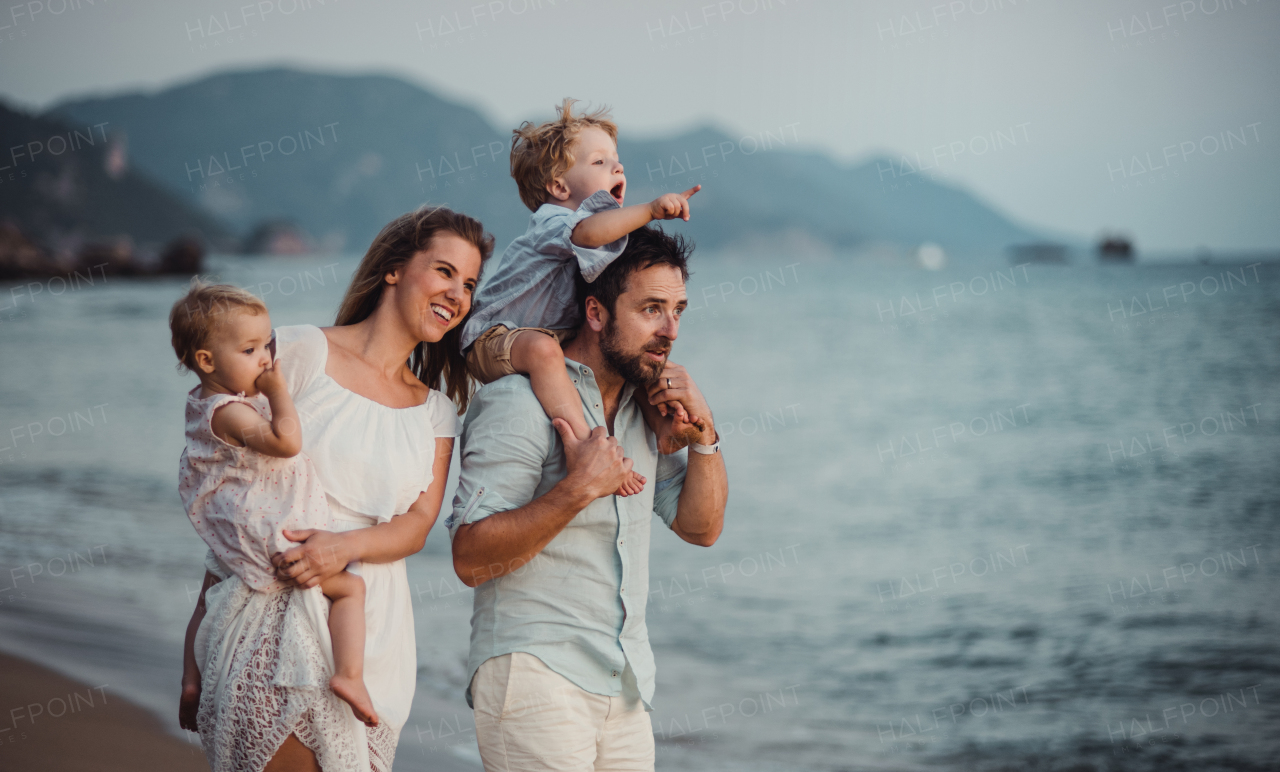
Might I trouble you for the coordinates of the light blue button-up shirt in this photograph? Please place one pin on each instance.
(532, 284)
(579, 606)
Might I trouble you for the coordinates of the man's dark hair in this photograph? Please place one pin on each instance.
(646, 247)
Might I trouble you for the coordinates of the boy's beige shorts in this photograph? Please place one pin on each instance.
(490, 356)
(532, 719)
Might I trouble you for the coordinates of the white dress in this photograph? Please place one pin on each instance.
(257, 667)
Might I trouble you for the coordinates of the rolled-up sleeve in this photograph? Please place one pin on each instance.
(556, 236)
(670, 482)
(505, 443)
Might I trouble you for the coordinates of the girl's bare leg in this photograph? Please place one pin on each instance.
(346, 628)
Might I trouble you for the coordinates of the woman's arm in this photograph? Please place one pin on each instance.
(323, 554)
(190, 699)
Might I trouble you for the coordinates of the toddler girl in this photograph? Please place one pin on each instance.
(243, 479)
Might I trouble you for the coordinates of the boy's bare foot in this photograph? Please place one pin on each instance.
(352, 691)
(671, 440)
(633, 485)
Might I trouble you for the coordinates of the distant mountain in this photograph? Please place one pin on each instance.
(758, 186)
(341, 155)
(67, 185)
(337, 155)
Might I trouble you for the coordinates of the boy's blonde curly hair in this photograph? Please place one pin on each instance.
(539, 154)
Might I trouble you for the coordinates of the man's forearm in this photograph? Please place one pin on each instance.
(505, 541)
(609, 226)
(700, 513)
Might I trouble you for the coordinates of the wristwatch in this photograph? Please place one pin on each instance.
(706, 450)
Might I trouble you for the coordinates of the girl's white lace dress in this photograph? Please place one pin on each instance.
(265, 657)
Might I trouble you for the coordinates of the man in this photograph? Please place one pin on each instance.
(561, 670)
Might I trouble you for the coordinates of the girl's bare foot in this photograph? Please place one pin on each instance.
(352, 691)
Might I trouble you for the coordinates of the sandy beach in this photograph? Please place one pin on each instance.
(50, 722)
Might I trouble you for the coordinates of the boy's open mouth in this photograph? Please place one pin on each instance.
(617, 190)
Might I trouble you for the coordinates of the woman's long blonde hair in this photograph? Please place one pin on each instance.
(399, 241)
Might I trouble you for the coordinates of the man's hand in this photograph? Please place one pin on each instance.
(673, 205)
(679, 395)
(320, 555)
(596, 465)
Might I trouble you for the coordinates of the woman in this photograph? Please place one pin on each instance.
(381, 438)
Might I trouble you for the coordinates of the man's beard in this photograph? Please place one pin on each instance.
(636, 369)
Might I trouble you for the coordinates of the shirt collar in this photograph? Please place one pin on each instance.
(549, 210)
(584, 377)
(599, 201)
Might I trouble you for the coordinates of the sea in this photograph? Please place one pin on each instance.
(988, 517)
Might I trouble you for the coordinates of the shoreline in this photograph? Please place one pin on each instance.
(49, 721)
(62, 638)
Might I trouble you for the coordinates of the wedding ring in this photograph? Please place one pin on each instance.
(668, 383)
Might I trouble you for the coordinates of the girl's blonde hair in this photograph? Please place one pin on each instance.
(539, 154)
(199, 313)
(399, 241)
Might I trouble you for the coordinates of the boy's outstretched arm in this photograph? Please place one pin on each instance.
(607, 227)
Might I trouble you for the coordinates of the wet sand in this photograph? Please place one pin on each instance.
(50, 722)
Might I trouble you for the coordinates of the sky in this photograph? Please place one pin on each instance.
(1156, 118)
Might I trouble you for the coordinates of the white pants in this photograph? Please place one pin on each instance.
(531, 718)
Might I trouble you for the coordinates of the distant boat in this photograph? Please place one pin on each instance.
(1038, 253)
(931, 256)
(1115, 249)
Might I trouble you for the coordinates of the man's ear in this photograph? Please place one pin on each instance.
(597, 315)
(204, 361)
(558, 190)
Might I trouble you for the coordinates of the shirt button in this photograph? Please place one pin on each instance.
(615, 674)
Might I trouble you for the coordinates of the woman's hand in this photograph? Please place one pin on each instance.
(320, 555)
(189, 703)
